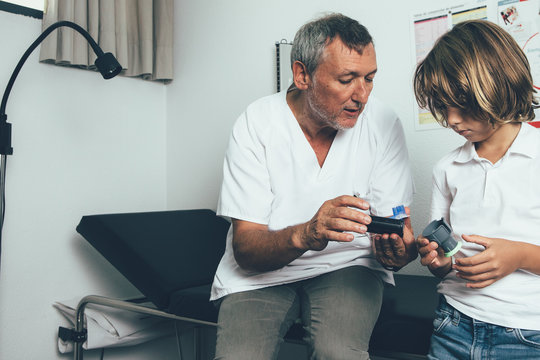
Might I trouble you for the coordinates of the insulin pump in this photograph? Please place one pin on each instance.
(440, 232)
(389, 225)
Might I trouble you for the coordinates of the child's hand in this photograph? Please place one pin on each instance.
(433, 257)
(500, 258)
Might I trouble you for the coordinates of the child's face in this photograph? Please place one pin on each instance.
(468, 127)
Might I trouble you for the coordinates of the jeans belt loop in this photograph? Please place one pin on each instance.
(456, 318)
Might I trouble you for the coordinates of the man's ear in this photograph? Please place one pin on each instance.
(301, 77)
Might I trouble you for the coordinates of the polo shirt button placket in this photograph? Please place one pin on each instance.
(488, 191)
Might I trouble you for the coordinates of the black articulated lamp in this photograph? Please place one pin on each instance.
(107, 65)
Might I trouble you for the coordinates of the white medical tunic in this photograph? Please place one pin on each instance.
(500, 200)
(271, 176)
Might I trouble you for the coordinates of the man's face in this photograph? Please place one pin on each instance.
(340, 86)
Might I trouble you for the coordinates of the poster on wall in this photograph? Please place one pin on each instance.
(428, 27)
(521, 18)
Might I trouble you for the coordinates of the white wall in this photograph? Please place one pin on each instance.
(82, 145)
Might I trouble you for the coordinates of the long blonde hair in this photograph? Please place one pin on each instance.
(478, 68)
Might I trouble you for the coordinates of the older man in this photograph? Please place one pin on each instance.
(298, 245)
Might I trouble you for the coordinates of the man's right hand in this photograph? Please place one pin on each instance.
(332, 222)
(256, 248)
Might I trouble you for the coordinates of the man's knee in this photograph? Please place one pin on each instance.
(341, 312)
(336, 343)
(251, 325)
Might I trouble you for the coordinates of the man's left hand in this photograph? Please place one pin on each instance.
(392, 251)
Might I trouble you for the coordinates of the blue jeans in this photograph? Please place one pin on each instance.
(338, 311)
(458, 336)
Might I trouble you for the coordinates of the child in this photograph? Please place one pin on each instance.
(477, 81)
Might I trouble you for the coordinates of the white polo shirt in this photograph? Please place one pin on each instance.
(500, 200)
(271, 176)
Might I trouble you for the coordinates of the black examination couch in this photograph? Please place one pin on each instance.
(171, 257)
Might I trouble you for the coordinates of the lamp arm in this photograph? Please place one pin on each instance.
(32, 47)
(107, 65)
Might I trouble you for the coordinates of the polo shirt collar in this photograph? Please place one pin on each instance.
(526, 143)
(466, 153)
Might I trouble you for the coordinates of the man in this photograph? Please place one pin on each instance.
(298, 245)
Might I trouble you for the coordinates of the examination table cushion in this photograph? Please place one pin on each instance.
(160, 252)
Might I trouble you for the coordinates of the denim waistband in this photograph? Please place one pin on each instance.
(455, 314)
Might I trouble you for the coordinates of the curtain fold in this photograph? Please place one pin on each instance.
(138, 32)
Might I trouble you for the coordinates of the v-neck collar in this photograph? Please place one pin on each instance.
(308, 158)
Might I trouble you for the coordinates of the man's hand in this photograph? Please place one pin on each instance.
(332, 221)
(256, 248)
(392, 251)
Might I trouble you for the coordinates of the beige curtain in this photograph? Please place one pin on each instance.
(138, 32)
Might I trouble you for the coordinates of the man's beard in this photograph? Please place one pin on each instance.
(323, 116)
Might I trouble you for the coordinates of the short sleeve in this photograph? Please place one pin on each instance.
(440, 195)
(246, 193)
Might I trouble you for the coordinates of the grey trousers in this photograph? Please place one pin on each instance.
(338, 310)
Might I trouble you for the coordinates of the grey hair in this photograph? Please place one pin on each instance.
(313, 37)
